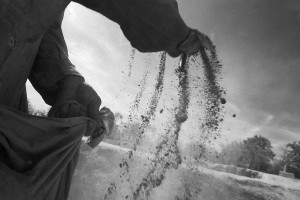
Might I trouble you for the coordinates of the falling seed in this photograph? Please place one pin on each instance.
(167, 155)
(223, 101)
(234, 115)
(132, 58)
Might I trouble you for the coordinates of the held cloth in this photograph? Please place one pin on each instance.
(38, 155)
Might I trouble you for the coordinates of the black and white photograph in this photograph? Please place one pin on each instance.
(150, 100)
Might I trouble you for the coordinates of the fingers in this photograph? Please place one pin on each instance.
(67, 109)
(205, 41)
(191, 45)
(194, 41)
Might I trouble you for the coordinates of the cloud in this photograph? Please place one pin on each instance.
(261, 43)
(268, 50)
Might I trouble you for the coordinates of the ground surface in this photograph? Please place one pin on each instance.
(99, 176)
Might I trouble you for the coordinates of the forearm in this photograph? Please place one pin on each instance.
(52, 63)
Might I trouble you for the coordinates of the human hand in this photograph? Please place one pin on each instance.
(194, 41)
(74, 89)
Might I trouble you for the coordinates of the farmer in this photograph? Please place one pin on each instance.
(33, 47)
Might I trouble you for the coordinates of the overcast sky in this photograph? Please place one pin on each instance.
(258, 42)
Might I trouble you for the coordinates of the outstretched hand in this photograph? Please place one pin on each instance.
(191, 45)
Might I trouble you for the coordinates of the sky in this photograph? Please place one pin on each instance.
(258, 43)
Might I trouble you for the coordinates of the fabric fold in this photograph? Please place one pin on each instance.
(43, 154)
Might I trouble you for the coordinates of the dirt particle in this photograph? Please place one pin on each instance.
(131, 61)
(223, 101)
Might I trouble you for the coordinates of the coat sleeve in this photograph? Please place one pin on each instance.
(52, 63)
(150, 25)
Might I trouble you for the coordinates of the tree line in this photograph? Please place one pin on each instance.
(256, 153)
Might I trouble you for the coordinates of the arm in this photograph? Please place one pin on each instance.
(52, 63)
(150, 25)
(56, 79)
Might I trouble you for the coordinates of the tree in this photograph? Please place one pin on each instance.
(277, 166)
(291, 154)
(257, 153)
(231, 154)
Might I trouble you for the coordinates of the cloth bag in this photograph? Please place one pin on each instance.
(38, 155)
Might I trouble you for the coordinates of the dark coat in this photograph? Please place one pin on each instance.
(32, 43)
